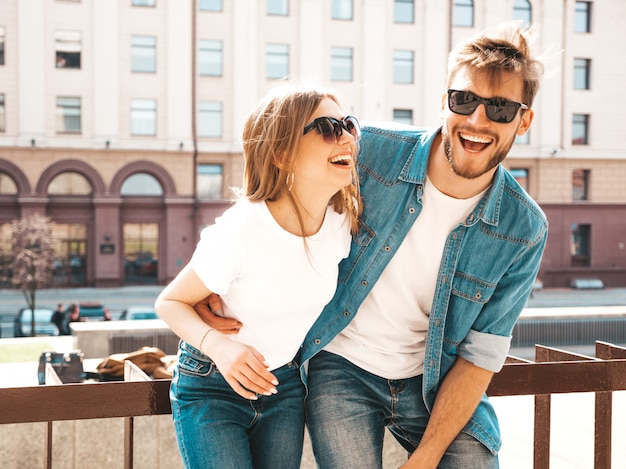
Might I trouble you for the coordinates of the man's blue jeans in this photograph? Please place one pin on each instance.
(349, 408)
(218, 429)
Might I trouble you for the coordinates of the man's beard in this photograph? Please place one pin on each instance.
(466, 172)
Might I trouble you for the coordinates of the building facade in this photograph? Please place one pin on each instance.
(121, 119)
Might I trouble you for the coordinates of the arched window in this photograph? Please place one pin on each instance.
(7, 185)
(141, 184)
(463, 13)
(70, 183)
(522, 10)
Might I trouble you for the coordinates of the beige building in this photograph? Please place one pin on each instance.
(121, 119)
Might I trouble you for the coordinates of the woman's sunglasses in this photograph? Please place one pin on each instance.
(331, 129)
(499, 110)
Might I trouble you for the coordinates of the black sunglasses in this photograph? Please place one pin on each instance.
(499, 110)
(331, 129)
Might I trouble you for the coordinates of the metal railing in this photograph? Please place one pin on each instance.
(554, 371)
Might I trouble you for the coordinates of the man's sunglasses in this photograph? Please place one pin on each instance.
(499, 110)
(331, 129)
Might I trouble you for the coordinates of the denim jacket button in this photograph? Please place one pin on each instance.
(411, 210)
(346, 313)
(317, 341)
(387, 249)
(364, 283)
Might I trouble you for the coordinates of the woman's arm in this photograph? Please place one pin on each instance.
(243, 367)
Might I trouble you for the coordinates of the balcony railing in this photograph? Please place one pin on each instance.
(554, 371)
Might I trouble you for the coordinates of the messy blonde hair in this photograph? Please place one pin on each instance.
(507, 51)
(271, 138)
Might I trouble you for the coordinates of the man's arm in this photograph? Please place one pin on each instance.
(457, 399)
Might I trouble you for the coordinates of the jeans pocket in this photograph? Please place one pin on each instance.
(192, 362)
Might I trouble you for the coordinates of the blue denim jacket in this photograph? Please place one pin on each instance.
(488, 265)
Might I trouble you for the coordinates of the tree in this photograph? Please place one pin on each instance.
(33, 246)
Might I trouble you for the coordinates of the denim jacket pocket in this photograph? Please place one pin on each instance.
(192, 362)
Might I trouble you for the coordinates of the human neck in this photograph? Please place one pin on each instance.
(311, 211)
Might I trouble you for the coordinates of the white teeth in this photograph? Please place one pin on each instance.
(340, 158)
(473, 138)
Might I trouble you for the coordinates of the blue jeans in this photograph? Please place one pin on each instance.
(216, 428)
(349, 408)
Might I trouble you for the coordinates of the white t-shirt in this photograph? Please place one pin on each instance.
(268, 278)
(388, 335)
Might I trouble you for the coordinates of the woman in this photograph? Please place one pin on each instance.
(272, 258)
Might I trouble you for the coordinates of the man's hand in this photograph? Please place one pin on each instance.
(210, 310)
(242, 366)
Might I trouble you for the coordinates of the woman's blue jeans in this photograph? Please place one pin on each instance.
(349, 408)
(218, 429)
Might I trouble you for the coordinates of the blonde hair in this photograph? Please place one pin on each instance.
(271, 138)
(507, 51)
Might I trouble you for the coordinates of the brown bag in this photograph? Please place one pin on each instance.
(146, 358)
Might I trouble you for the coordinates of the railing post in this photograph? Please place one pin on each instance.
(541, 450)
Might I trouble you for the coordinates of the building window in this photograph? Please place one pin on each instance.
(522, 11)
(523, 139)
(69, 183)
(68, 115)
(143, 184)
(582, 17)
(580, 184)
(68, 49)
(2, 114)
(2, 37)
(404, 116)
(143, 3)
(580, 129)
(463, 13)
(7, 185)
(579, 245)
(210, 119)
(210, 5)
(278, 7)
(341, 64)
(210, 57)
(521, 176)
(582, 68)
(342, 9)
(277, 60)
(143, 54)
(403, 66)
(404, 11)
(210, 180)
(143, 117)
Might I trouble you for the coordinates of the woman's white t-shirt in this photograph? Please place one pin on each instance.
(268, 278)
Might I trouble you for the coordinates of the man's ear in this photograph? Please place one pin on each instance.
(527, 119)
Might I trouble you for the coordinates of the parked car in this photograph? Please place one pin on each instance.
(93, 312)
(43, 323)
(139, 312)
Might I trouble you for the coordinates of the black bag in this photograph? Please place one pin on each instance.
(67, 365)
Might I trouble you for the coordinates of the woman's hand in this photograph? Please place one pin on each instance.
(209, 310)
(242, 366)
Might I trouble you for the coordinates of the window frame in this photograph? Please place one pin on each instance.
(403, 65)
(143, 3)
(136, 122)
(211, 115)
(523, 11)
(208, 67)
(215, 184)
(342, 58)
(68, 111)
(580, 122)
(277, 8)
(402, 116)
(582, 74)
(274, 52)
(460, 10)
(404, 11)
(582, 17)
(136, 57)
(68, 49)
(205, 5)
(342, 10)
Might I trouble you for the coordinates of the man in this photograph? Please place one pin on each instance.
(445, 260)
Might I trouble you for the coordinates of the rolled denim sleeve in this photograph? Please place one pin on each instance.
(484, 350)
